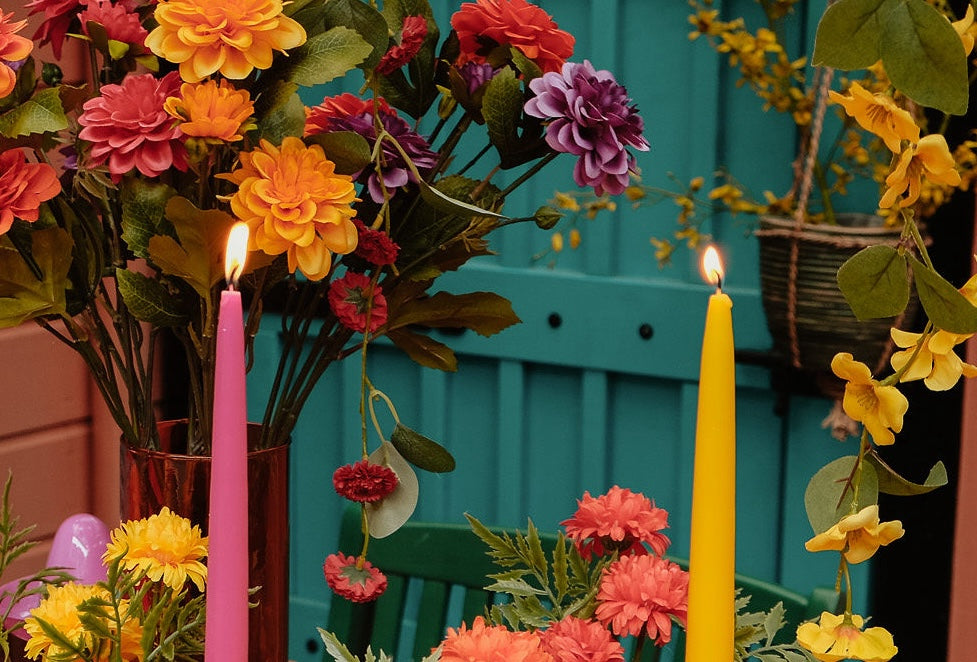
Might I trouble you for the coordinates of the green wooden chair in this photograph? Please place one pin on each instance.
(436, 575)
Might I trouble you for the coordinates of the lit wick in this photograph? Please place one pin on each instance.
(712, 267)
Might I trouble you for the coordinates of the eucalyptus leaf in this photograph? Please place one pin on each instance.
(875, 282)
(420, 451)
(829, 497)
(327, 56)
(390, 513)
(946, 307)
(891, 482)
(149, 300)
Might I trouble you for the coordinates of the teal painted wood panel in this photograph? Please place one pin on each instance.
(537, 414)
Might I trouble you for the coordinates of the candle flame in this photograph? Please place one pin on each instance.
(237, 252)
(712, 266)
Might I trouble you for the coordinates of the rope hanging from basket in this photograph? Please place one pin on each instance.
(806, 159)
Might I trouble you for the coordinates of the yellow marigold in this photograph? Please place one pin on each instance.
(294, 202)
(233, 37)
(212, 110)
(168, 547)
(879, 408)
(879, 114)
(59, 609)
(857, 536)
(930, 156)
(840, 637)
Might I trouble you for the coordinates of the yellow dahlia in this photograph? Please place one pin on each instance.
(233, 37)
(168, 547)
(212, 110)
(294, 202)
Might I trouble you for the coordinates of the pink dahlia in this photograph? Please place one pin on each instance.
(640, 595)
(58, 18)
(491, 643)
(23, 187)
(120, 24)
(412, 36)
(375, 246)
(349, 298)
(621, 521)
(129, 127)
(354, 578)
(592, 117)
(576, 640)
(364, 482)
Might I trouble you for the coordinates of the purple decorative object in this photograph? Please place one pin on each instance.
(77, 547)
(477, 74)
(591, 118)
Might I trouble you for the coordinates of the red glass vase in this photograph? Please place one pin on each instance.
(169, 477)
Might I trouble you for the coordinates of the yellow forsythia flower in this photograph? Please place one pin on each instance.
(857, 536)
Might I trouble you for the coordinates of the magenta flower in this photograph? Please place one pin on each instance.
(354, 578)
(129, 128)
(590, 116)
(364, 482)
(58, 18)
(412, 36)
(349, 298)
(375, 246)
(120, 23)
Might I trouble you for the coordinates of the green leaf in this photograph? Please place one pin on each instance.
(502, 108)
(198, 257)
(390, 513)
(891, 482)
(347, 149)
(420, 451)
(280, 112)
(413, 96)
(944, 305)
(875, 282)
(365, 20)
(143, 213)
(335, 647)
(327, 56)
(22, 295)
(424, 350)
(773, 622)
(829, 497)
(40, 114)
(449, 205)
(149, 300)
(515, 587)
(486, 313)
(848, 35)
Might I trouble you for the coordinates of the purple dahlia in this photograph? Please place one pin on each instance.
(592, 117)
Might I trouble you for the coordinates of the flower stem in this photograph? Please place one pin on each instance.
(536, 167)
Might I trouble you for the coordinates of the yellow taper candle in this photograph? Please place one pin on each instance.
(711, 618)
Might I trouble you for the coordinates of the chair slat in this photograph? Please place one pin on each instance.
(431, 617)
(388, 619)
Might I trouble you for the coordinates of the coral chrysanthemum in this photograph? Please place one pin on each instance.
(60, 610)
(211, 110)
(857, 536)
(128, 127)
(364, 482)
(879, 408)
(412, 35)
(930, 157)
(620, 520)
(13, 47)
(640, 595)
(491, 643)
(233, 38)
(294, 202)
(484, 24)
(592, 117)
(837, 637)
(349, 298)
(879, 114)
(354, 578)
(577, 640)
(23, 187)
(168, 547)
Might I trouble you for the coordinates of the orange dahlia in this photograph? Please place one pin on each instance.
(233, 37)
(294, 202)
(209, 110)
(23, 187)
(13, 47)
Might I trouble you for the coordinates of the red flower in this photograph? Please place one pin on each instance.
(483, 24)
(576, 640)
(23, 187)
(119, 23)
(412, 36)
(58, 16)
(620, 520)
(354, 578)
(641, 594)
(364, 482)
(375, 246)
(318, 118)
(349, 298)
(128, 126)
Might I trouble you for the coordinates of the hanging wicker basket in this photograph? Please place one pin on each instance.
(822, 321)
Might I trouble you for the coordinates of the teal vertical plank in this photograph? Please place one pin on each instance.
(683, 515)
(433, 415)
(594, 438)
(510, 489)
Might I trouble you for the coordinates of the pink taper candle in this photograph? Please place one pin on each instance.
(712, 552)
(227, 564)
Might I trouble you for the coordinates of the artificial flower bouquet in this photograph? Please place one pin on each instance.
(118, 192)
(599, 590)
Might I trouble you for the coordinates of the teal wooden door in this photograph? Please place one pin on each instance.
(577, 397)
